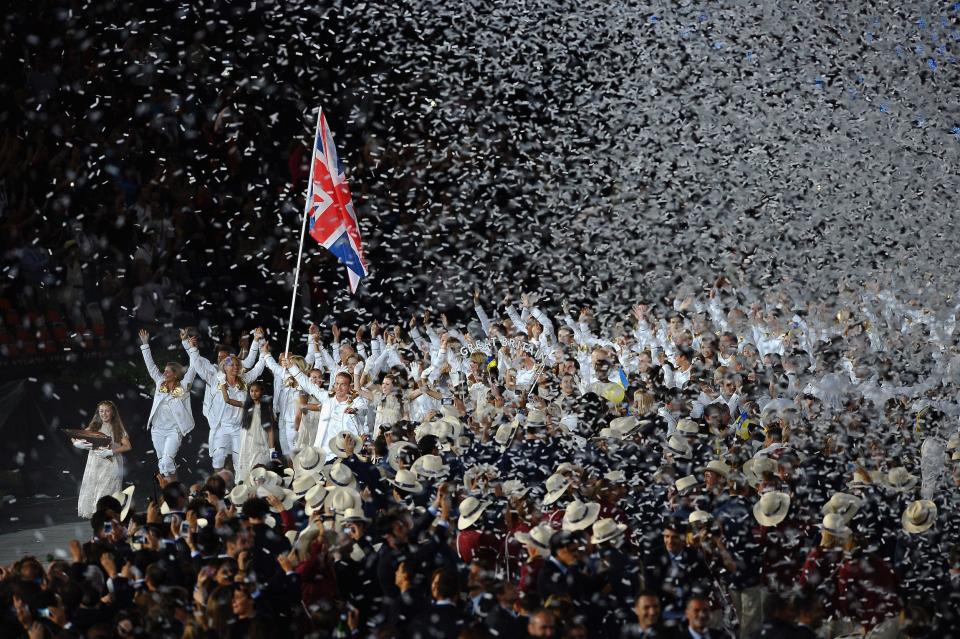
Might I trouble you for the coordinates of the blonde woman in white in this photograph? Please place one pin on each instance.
(171, 416)
(103, 474)
(226, 409)
(286, 396)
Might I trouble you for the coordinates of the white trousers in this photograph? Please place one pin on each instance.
(166, 442)
(288, 436)
(225, 440)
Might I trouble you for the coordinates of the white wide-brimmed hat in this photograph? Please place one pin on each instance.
(772, 508)
(836, 525)
(900, 480)
(699, 517)
(339, 500)
(580, 515)
(556, 486)
(505, 432)
(339, 444)
(125, 497)
(339, 475)
(400, 449)
(430, 467)
(605, 530)
(471, 509)
(353, 514)
(754, 469)
(919, 516)
(623, 426)
(538, 537)
(240, 494)
(314, 499)
(307, 460)
(843, 504)
(406, 481)
(284, 495)
(477, 471)
(260, 476)
(303, 483)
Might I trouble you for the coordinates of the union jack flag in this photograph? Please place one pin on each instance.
(331, 219)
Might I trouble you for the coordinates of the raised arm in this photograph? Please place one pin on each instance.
(481, 314)
(251, 358)
(309, 387)
(201, 365)
(251, 375)
(152, 369)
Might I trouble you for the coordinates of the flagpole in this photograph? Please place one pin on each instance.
(303, 233)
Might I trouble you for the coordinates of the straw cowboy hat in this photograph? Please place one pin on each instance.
(288, 477)
(919, 516)
(836, 525)
(579, 515)
(505, 432)
(398, 450)
(430, 467)
(771, 508)
(688, 427)
(477, 471)
(344, 444)
(538, 537)
(843, 504)
(556, 486)
(717, 466)
(406, 481)
(339, 500)
(125, 497)
(605, 530)
(307, 460)
(624, 426)
(303, 483)
(900, 480)
(471, 509)
(678, 447)
(314, 499)
(685, 484)
(339, 475)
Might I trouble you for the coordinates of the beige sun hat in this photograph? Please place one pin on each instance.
(688, 427)
(900, 480)
(471, 509)
(339, 475)
(314, 499)
(678, 447)
(919, 516)
(260, 476)
(685, 484)
(605, 530)
(303, 483)
(505, 432)
(406, 481)
(843, 504)
(580, 515)
(719, 467)
(477, 471)
(771, 508)
(538, 537)
(344, 444)
(353, 514)
(836, 525)
(430, 467)
(284, 495)
(556, 486)
(623, 426)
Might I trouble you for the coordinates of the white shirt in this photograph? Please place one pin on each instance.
(164, 418)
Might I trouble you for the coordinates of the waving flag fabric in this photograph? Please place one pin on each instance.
(331, 220)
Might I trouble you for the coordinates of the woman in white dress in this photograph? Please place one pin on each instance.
(171, 416)
(104, 472)
(259, 426)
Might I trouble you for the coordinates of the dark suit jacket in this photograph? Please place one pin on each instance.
(553, 581)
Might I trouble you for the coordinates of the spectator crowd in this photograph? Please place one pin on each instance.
(702, 469)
